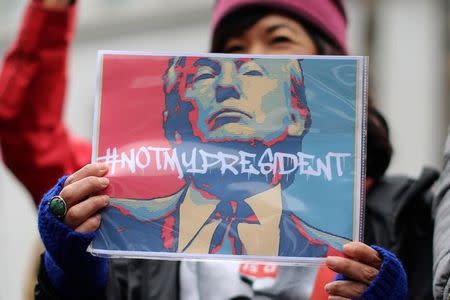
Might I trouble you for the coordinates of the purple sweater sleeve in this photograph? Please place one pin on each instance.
(391, 282)
(73, 272)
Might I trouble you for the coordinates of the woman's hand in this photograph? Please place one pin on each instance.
(361, 265)
(73, 272)
(81, 193)
(56, 4)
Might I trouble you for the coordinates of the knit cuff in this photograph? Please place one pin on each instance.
(391, 282)
(72, 271)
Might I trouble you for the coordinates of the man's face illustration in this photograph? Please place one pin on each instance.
(243, 99)
(234, 106)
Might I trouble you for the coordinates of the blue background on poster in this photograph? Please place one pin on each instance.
(331, 93)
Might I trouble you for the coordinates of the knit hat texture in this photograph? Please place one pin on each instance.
(328, 16)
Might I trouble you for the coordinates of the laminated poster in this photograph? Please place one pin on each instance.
(215, 156)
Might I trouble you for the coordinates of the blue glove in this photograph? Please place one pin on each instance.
(73, 272)
(391, 282)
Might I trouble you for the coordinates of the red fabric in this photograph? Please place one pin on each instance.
(36, 146)
(324, 276)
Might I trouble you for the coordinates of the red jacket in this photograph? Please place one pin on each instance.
(35, 144)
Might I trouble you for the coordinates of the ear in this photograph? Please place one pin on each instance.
(170, 77)
(297, 125)
(293, 67)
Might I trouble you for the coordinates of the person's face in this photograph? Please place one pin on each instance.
(273, 34)
(243, 99)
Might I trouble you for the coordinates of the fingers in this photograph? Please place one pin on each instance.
(344, 289)
(361, 264)
(352, 269)
(361, 252)
(82, 211)
(82, 189)
(97, 170)
(90, 225)
(83, 201)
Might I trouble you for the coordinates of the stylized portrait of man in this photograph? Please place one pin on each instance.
(233, 107)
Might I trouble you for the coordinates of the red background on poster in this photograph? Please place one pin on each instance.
(132, 104)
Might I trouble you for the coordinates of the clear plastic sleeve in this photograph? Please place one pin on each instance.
(242, 157)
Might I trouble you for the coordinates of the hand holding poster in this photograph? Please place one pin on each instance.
(218, 156)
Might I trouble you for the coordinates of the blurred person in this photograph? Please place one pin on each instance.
(441, 267)
(38, 149)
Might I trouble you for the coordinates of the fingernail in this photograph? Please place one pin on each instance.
(103, 167)
(327, 287)
(332, 261)
(104, 181)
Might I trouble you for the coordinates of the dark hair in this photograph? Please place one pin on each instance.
(246, 17)
(379, 148)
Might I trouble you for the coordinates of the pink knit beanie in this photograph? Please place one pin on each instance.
(328, 16)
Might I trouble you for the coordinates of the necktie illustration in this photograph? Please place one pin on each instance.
(230, 214)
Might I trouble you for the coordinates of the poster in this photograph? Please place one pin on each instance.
(230, 156)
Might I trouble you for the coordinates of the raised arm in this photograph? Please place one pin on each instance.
(35, 145)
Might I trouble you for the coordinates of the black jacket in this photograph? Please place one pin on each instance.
(399, 218)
